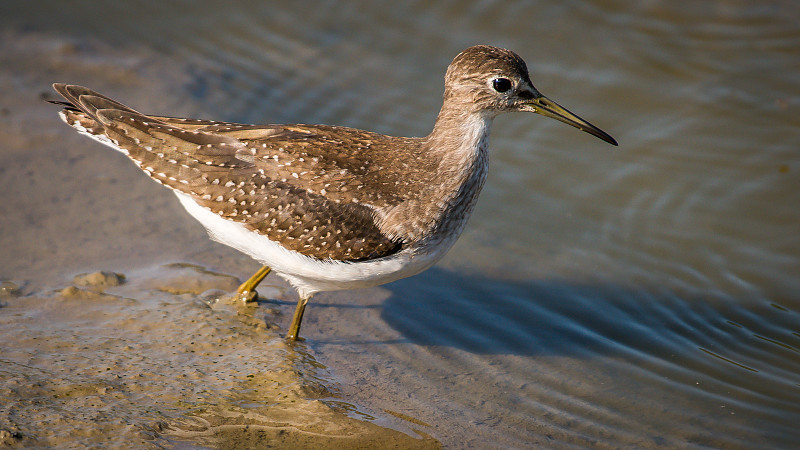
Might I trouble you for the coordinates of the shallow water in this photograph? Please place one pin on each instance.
(645, 295)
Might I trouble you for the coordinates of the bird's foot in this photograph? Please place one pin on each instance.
(247, 296)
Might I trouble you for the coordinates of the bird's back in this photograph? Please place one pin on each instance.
(316, 189)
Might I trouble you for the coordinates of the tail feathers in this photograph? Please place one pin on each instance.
(66, 105)
(171, 151)
(87, 100)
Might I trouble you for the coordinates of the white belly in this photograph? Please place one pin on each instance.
(311, 275)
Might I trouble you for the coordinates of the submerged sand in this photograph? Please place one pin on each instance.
(132, 360)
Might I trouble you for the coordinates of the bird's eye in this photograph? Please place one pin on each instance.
(501, 84)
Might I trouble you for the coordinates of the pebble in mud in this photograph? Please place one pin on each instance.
(99, 279)
(10, 437)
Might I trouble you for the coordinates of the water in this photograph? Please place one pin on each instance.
(645, 295)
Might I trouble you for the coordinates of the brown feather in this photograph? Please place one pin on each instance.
(224, 168)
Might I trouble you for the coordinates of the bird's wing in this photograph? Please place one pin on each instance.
(343, 164)
(223, 173)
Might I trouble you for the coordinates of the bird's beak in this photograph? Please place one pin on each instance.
(548, 108)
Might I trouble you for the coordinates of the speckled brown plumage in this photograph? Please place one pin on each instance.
(312, 188)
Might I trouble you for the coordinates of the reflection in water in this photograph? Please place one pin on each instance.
(640, 296)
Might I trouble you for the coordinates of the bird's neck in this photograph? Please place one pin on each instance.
(459, 143)
(460, 138)
(458, 149)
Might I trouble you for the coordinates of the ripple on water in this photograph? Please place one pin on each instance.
(538, 360)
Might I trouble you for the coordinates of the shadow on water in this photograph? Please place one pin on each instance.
(488, 315)
(751, 344)
(708, 363)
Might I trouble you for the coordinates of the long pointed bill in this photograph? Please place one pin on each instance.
(546, 107)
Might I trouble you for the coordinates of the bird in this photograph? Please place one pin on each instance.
(328, 207)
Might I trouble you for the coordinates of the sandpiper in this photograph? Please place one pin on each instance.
(328, 207)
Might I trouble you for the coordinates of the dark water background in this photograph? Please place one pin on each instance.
(645, 295)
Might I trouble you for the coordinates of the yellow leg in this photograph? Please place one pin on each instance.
(294, 328)
(247, 291)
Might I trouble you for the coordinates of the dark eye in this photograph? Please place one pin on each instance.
(501, 84)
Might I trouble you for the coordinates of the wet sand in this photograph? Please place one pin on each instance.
(109, 337)
(162, 357)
